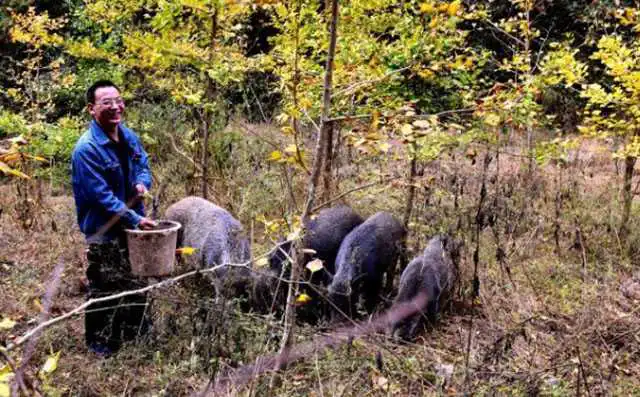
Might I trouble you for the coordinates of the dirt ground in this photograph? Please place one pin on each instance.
(545, 323)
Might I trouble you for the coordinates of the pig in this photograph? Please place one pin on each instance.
(362, 261)
(434, 273)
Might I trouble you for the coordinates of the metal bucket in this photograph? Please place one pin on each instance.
(152, 252)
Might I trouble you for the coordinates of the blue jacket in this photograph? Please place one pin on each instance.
(98, 182)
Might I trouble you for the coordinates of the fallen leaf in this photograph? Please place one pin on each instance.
(422, 124)
(10, 171)
(303, 298)
(406, 129)
(51, 364)
(291, 149)
(186, 251)
(37, 304)
(314, 265)
(262, 262)
(381, 382)
(384, 147)
(275, 155)
(7, 323)
(5, 381)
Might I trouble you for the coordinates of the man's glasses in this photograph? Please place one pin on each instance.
(110, 102)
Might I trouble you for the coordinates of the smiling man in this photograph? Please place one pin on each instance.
(110, 174)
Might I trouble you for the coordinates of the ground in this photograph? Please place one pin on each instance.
(551, 319)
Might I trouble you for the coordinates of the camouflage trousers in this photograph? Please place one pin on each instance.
(116, 321)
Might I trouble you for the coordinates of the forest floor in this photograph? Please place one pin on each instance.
(551, 319)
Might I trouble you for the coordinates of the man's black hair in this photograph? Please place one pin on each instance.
(91, 92)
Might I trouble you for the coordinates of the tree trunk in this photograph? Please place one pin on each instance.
(207, 114)
(320, 151)
(328, 164)
(205, 156)
(627, 194)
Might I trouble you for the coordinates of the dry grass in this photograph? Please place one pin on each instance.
(545, 323)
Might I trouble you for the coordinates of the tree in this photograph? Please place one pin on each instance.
(613, 108)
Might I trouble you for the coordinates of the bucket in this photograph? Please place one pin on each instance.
(152, 252)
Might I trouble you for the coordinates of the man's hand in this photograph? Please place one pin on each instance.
(146, 224)
(141, 189)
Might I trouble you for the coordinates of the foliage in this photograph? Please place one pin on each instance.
(613, 107)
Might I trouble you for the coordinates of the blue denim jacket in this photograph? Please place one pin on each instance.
(98, 182)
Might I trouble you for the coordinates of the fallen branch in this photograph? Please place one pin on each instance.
(78, 310)
(47, 302)
(236, 379)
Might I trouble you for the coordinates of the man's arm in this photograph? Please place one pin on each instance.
(86, 172)
(142, 173)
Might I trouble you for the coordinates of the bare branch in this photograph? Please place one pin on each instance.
(372, 81)
(355, 189)
(181, 153)
(80, 309)
(236, 379)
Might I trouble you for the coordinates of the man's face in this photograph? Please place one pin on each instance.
(107, 108)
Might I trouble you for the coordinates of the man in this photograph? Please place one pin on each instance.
(110, 174)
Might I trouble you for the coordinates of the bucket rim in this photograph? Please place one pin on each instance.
(175, 226)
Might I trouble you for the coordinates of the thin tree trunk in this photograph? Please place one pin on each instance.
(328, 164)
(627, 194)
(558, 208)
(320, 151)
(207, 114)
(480, 223)
(321, 143)
(205, 158)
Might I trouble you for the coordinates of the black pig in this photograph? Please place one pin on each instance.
(434, 273)
(323, 235)
(363, 259)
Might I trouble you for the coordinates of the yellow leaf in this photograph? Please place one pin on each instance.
(10, 171)
(453, 8)
(384, 147)
(303, 298)
(492, 119)
(37, 304)
(5, 381)
(262, 262)
(406, 129)
(51, 364)
(186, 251)
(291, 149)
(314, 265)
(10, 157)
(37, 158)
(294, 235)
(7, 323)
(275, 155)
(282, 118)
(304, 103)
(421, 124)
(427, 8)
